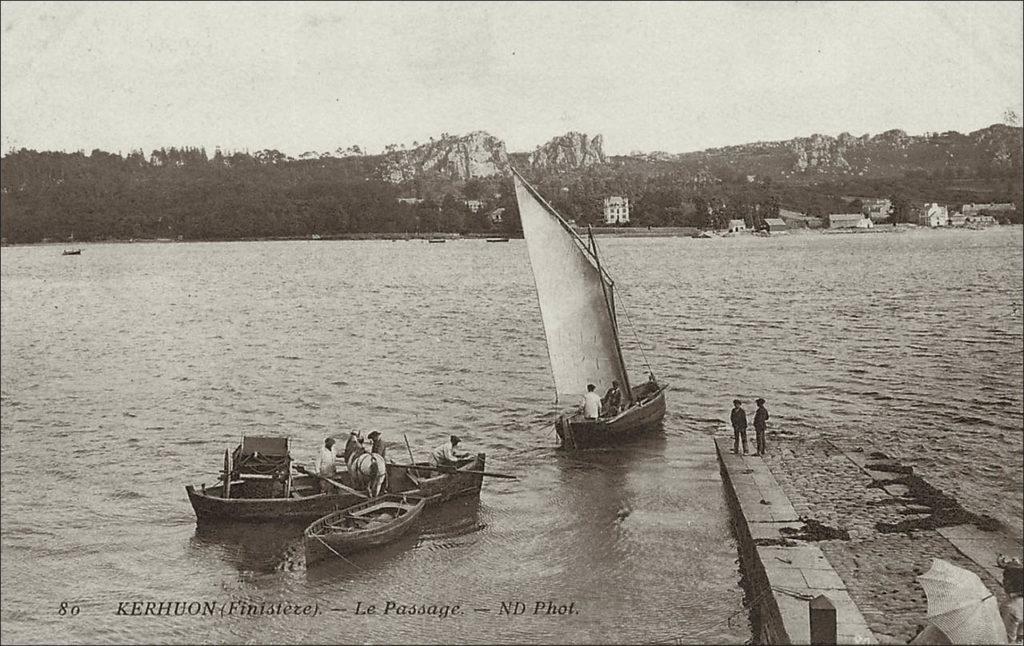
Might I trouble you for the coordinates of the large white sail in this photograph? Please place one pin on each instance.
(574, 301)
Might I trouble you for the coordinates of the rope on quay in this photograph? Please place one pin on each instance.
(402, 589)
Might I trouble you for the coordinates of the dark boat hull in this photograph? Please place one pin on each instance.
(577, 433)
(319, 541)
(438, 487)
(211, 506)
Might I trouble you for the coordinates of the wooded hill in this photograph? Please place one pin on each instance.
(184, 192)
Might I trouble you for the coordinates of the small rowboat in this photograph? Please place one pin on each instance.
(375, 522)
(71, 252)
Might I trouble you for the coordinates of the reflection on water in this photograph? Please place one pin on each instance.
(144, 362)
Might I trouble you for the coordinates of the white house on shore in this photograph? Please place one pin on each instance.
(616, 210)
(934, 215)
(849, 221)
(736, 226)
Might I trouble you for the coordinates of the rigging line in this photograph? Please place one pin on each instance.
(678, 639)
(632, 328)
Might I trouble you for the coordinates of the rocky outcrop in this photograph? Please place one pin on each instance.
(821, 152)
(570, 151)
(477, 154)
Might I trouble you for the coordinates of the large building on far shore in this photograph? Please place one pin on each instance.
(616, 210)
(934, 215)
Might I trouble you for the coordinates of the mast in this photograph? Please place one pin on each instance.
(609, 300)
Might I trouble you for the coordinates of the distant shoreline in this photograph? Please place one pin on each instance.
(617, 232)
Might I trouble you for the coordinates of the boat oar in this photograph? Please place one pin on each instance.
(302, 469)
(454, 470)
(411, 459)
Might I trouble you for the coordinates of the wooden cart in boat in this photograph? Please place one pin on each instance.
(437, 487)
(257, 484)
(373, 522)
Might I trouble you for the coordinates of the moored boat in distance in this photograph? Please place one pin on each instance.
(437, 240)
(577, 304)
(373, 522)
(71, 252)
(497, 239)
(257, 485)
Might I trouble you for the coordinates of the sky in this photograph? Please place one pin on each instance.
(675, 77)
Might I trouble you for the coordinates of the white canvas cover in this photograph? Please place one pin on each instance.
(578, 323)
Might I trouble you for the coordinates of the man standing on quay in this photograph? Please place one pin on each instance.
(760, 426)
(739, 426)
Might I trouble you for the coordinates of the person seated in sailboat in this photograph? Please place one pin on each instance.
(447, 455)
(325, 466)
(612, 401)
(591, 403)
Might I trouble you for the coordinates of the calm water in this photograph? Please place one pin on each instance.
(126, 371)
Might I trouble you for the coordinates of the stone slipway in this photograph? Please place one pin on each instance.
(783, 574)
(874, 523)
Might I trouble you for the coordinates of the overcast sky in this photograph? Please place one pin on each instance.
(667, 76)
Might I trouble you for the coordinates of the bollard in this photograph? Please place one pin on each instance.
(823, 620)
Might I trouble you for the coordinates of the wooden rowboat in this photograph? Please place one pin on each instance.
(374, 522)
(437, 487)
(257, 485)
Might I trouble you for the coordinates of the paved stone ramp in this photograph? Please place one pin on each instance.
(784, 574)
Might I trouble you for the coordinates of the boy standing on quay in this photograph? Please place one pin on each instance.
(760, 425)
(739, 426)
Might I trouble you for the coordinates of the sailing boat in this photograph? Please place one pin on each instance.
(577, 305)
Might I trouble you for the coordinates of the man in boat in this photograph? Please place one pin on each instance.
(378, 446)
(353, 445)
(325, 463)
(591, 403)
(612, 401)
(739, 426)
(447, 455)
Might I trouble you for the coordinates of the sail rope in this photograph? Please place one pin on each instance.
(632, 328)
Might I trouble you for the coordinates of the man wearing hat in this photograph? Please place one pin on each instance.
(739, 426)
(324, 465)
(353, 445)
(447, 455)
(378, 443)
(760, 425)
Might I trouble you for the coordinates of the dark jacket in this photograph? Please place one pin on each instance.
(739, 419)
(378, 447)
(761, 418)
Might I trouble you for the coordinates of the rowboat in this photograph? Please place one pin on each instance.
(373, 522)
(257, 485)
(497, 239)
(436, 487)
(577, 306)
(437, 240)
(71, 252)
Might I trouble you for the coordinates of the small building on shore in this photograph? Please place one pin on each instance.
(737, 226)
(474, 205)
(973, 209)
(616, 210)
(410, 200)
(877, 209)
(775, 225)
(934, 215)
(849, 221)
(796, 219)
(957, 219)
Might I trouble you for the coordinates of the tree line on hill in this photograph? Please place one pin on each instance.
(183, 193)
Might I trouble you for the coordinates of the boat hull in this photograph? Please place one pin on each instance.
(320, 541)
(438, 487)
(646, 417)
(211, 506)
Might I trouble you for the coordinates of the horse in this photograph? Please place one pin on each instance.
(367, 470)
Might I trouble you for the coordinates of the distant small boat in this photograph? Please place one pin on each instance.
(71, 252)
(377, 521)
(702, 235)
(437, 241)
(497, 239)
